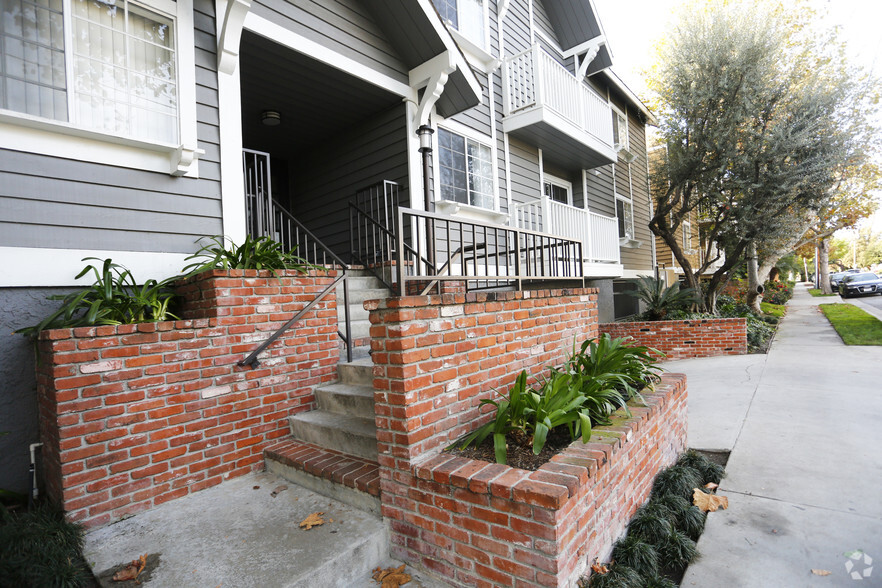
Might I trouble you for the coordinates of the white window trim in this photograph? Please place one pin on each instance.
(451, 207)
(561, 183)
(626, 146)
(687, 238)
(626, 241)
(22, 132)
(477, 54)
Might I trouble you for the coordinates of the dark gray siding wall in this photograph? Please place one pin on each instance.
(342, 25)
(68, 204)
(600, 190)
(542, 23)
(631, 180)
(323, 183)
(517, 27)
(524, 172)
(479, 118)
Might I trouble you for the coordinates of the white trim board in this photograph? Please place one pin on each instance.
(45, 267)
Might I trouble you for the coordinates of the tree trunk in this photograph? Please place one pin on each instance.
(754, 286)
(824, 266)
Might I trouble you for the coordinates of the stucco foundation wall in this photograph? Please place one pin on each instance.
(687, 338)
(132, 416)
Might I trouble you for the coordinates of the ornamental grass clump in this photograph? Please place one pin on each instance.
(677, 480)
(618, 576)
(633, 552)
(707, 469)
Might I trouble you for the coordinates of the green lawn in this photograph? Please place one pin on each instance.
(855, 326)
(819, 292)
(776, 310)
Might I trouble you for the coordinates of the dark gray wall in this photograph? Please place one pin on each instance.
(605, 306)
(21, 307)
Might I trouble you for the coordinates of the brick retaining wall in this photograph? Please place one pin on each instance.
(686, 339)
(132, 416)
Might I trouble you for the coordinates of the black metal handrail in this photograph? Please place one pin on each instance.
(371, 225)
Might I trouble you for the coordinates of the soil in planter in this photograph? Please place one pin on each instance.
(519, 455)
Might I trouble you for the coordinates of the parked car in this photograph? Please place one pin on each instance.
(862, 284)
(836, 277)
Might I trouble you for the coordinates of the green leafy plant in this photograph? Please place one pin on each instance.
(707, 469)
(114, 298)
(657, 581)
(41, 548)
(660, 299)
(677, 480)
(636, 554)
(677, 549)
(650, 524)
(630, 367)
(261, 253)
(618, 576)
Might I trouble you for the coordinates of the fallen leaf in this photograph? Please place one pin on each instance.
(278, 490)
(711, 486)
(313, 520)
(131, 571)
(255, 488)
(821, 572)
(709, 502)
(599, 568)
(391, 577)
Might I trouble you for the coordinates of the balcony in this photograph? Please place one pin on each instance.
(547, 106)
(598, 234)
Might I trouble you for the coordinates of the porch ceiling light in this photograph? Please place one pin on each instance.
(271, 118)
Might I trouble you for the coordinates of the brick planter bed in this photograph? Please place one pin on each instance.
(475, 523)
(132, 416)
(685, 339)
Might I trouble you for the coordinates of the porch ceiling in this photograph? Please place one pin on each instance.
(316, 101)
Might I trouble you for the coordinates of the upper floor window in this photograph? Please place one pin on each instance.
(100, 65)
(466, 170)
(625, 214)
(558, 190)
(620, 130)
(466, 16)
(687, 236)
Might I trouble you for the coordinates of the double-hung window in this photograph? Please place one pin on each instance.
(466, 170)
(465, 16)
(625, 214)
(104, 70)
(687, 236)
(620, 130)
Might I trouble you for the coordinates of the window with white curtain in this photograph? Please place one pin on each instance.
(466, 16)
(102, 65)
(625, 214)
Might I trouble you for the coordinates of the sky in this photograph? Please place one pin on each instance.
(633, 27)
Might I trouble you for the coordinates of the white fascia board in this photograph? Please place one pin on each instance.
(46, 267)
(629, 94)
(279, 34)
(452, 47)
(595, 270)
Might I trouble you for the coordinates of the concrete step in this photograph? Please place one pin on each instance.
(346, 399)
(359, 373)
(343, 433)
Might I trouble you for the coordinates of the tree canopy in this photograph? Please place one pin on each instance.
(762, 119)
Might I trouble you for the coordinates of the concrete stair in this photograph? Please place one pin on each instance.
(362, 286)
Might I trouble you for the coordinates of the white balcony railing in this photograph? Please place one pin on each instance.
(534, 79)
(599, 234)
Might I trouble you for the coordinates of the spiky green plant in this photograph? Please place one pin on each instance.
(41, 548)
(677, 549)
(618, 577)
(650, 524)
(636, 554)
(677, 480)
(657, 581)
(684, 516)
(707, 469)
(660, 299)
(261, 253)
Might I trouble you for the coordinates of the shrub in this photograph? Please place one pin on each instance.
(40, 548)
(262, 253)
(617, 577)
(631, 366)
(777, 292)
(659, 299)
(636, 554)
(658, 582)
(650, 524)
(707, 469)
(114, 298)
(677, 480)
(677, 550)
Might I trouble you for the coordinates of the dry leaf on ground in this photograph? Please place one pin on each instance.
(821, 572)
(709, 502)
(313, 520)
(599, 568)
(711, 486)
(391, 577)
(278, 490)
(131, 571)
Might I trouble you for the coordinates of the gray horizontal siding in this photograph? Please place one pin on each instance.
(524, 172)
(69, 204)
(517, 27)
(600, 191)
(344, 26)
(323, 183)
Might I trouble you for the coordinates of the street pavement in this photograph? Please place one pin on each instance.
(804, 478)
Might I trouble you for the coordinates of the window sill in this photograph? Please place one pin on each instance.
(31, 134)
(470, 211)
(477, 56)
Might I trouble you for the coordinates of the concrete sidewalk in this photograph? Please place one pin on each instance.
(805, 473)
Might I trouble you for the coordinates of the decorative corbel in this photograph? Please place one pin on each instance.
(587, 59)
(183, 158)
(230, 32)
(433, 74)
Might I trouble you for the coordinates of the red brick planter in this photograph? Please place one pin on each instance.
(484, 524)
(132, 416)
(686, 338)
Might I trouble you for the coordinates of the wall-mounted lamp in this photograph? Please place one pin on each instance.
(271, 118)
